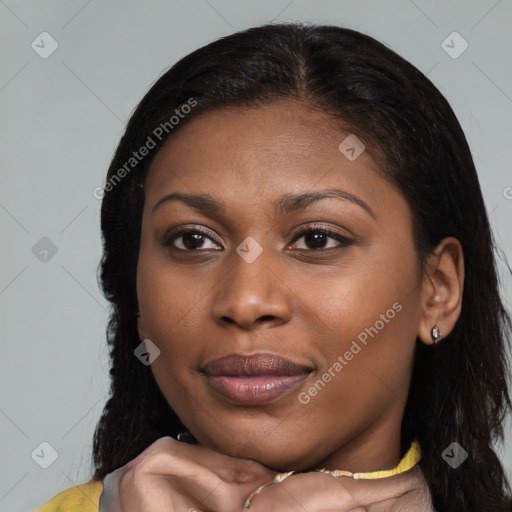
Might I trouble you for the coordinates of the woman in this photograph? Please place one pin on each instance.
(294, 229)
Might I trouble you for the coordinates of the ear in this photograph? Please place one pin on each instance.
(442, 289)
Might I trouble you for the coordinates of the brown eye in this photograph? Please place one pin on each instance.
(316, 238)
(189, 240)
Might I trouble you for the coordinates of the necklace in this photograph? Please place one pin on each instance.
(409, 460)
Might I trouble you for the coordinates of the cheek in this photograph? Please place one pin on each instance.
(366, 367)
(369, 319)
(170, 308)
(374, 292)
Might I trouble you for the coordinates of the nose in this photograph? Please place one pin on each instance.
(251, 295)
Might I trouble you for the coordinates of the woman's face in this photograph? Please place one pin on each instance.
(245, 280)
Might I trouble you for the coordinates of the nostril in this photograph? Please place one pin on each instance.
(267, 317)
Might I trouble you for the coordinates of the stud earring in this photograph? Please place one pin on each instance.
(436, 334)
(185, 437)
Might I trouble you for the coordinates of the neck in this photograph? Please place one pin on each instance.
(377, 448)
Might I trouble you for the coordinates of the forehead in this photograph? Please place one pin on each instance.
(262, 152)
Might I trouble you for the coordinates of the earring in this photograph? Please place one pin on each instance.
(185, 437)
(436, 334)
(138, 314)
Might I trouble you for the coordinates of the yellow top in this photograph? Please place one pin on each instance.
(81, 498)
(86, 497)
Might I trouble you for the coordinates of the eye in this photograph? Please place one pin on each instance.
(188, 240)
(316, 238)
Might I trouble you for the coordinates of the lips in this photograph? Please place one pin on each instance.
(255, 379)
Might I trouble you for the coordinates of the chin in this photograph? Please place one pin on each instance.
(289, 451)
(280, 461)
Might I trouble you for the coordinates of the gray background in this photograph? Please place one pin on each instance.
(61, 120)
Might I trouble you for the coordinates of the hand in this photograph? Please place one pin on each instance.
(171, 476)
(320, 492)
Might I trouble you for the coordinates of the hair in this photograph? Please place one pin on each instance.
(459, 387)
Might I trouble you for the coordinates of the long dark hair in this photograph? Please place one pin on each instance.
(459, 389)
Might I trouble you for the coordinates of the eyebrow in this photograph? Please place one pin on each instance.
(285, 204)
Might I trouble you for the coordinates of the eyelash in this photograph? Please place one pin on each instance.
(344, 241)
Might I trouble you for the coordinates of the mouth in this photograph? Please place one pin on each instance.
(256, 379)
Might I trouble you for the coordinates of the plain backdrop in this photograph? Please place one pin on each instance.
(62, 115)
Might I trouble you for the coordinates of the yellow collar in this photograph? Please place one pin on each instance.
(409, 460)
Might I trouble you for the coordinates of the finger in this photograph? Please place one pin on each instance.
(211, 480)
(161, 458)
(305, 491)
(317, 491)
(366, 492)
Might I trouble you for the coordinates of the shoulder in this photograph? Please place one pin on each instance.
(81, 498)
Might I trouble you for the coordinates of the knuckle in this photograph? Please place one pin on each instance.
(161, 457)
(130, 478)
(161, 450)
(163, 444)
